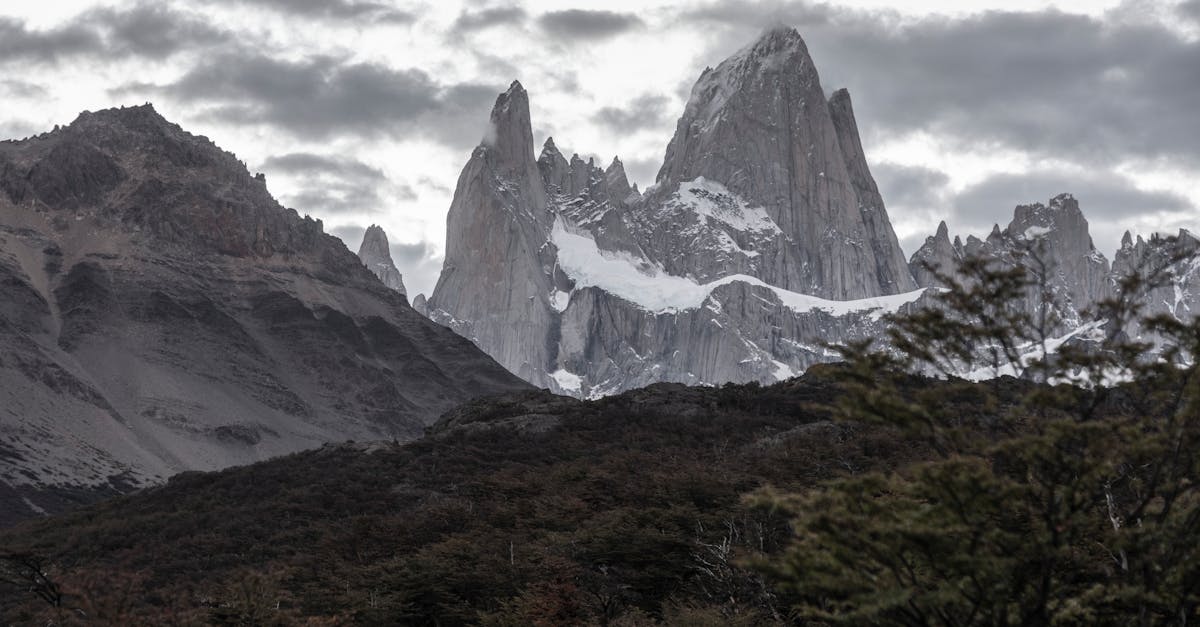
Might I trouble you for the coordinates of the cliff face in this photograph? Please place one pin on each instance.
(1175, 268)
(162, 313)
(496, 284)
(377, 257)
(764, 236)
(759, 125)
(1049, 240)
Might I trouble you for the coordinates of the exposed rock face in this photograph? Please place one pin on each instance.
(377, 257)
(1050, 240)
(421, 305)
(759, 125)
(573, 279)
(161, 312)
(498, 273)
(937, 254)
(1174, 264)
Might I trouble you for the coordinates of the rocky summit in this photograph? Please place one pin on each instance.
(1069, 277)
(162, 312)
(764, 236)
(377, 257)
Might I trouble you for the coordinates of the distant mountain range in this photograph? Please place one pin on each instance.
(764, 238)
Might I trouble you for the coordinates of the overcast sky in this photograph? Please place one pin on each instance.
(365, 111)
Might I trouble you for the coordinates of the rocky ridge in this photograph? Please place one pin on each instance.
(163, 312)
(1051, 241)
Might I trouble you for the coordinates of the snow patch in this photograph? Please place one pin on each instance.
(711, 199)
(1035, 231)
(620, 274)
(782, 372)
(559, 300)
(567, 381)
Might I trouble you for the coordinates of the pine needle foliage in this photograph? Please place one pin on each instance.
(1075, 504)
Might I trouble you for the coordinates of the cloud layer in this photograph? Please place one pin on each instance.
(363, 111)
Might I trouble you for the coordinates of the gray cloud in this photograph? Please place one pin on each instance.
(1050, 83)
(144, 30)
(411, 254)
(22, 89)
(582, 24)
(644, 171)
(419, 265)
(153, 30)
(351, 235)
(308, 164)
(335, 200)
(434, 186)
(647, 111)
(1190, 9)
(910, 186)
(335, 9)
(323, 97)
(471, 21)
(332, 185)
(1104, 198)
(17, 42)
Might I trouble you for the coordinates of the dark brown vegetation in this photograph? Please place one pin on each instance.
(628, 507)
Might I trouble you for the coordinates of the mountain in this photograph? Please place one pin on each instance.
(1072, 279)
(163, 312)
(1049, 240)
(764, 236)
(1174, 266)
(377, 257)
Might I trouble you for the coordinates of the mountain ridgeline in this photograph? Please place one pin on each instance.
(162, 312)
(764, 239)
(764, 227)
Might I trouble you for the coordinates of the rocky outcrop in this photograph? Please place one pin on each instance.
(497, 279)
(377, 257)
(162, 312)
(1051, 241)
(938, 255)
(1170, 269)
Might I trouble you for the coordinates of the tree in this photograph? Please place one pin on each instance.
(1065, 497)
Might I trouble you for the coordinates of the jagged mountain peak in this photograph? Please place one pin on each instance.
(374, 242)
(777, 44)
(511, 132)
(376, 255)
(943, 231)
(1061, 219)
(760, 125)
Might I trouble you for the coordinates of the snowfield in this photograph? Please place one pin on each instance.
(619, 274)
